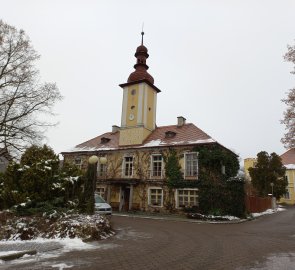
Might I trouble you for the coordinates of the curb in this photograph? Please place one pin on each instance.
(180, 219)
(17, 255)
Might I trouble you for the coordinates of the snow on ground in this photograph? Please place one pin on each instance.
(47, 248)
(61, 266)
(2, 253)
(282, 261)
(269, 211)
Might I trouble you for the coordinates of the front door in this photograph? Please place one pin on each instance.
(126, 199)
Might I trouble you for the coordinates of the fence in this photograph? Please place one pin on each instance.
(257, 204)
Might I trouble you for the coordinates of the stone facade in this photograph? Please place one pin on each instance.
(134, 179)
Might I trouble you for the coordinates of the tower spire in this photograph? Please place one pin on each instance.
(142, 33)
(141, 67)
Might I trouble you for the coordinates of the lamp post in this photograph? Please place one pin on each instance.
(273, 199)
(103, 161)
(271, 184)
(93, 168)
(90, 184)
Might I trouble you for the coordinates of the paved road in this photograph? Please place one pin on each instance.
(265, 243)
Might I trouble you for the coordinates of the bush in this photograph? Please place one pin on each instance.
(39, 182)
(222, 198)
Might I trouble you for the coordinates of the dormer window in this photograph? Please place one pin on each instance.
(170, 134)
(104, 140)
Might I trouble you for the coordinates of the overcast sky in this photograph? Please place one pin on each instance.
(218, 63)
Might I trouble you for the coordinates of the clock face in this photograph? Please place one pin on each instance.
(131, 116)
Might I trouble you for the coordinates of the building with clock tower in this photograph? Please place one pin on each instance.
(131, 172)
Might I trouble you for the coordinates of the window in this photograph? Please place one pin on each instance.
(100, 191)
(287, 194)
(170, 134)
(187, 197)
(78, 162)
(128, 166)
(101, 169)
(104, 140)
(156, 166)
(156, 196)
(191, 164)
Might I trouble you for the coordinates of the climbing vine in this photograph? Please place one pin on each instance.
(216, 163)
(172, 168)
(219, 191)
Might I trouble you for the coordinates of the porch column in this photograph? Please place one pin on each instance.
(109, 194)
(130, 197)
(121, 199)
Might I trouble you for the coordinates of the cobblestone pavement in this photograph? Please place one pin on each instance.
(264, 243)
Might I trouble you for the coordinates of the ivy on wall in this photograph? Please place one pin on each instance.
(219, 192)
(172, 168)
(216, 162)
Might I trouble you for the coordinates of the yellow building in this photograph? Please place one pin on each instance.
(131, 167)
(248, 163)
(288, 159)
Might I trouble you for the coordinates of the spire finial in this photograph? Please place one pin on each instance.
(142, 33)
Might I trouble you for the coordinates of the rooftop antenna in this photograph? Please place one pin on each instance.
(142, 33)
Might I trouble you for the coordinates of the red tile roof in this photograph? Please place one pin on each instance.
(187, 134)
(288, 157)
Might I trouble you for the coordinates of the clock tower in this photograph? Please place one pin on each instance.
(138, 117)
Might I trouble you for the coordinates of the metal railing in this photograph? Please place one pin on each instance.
(148, 174)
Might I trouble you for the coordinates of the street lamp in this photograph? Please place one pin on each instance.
(90, 184)
(93, 159)
(273, 199)
(271, 184)
(103, 160)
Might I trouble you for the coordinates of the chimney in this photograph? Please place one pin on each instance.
(180, 121)
(115, 129)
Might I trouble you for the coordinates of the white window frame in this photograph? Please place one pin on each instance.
(149, 196)
(152, 166)
(124, 167)
(185, 164)
(79, 165)
(186, 189)
(99, 191)
(101, 169)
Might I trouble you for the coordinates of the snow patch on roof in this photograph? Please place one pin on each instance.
(89, 149)
(154, 143)
(202, 141)
(160, 142)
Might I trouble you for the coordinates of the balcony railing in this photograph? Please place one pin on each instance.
(186, 174)
(157, 174)
(149, 174)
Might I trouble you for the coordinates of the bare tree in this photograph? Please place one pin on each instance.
(289, 115)
(23, 99)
